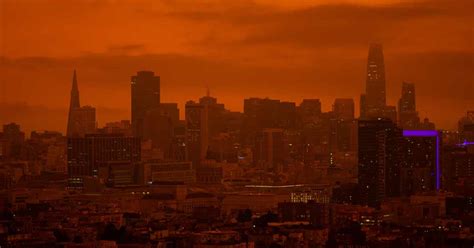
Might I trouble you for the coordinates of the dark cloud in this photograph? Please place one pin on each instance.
(443, 81)
(237, 48)
(127, 49)
(40, 117)
(342, 26)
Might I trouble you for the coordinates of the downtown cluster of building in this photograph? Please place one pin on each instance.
(280, 174)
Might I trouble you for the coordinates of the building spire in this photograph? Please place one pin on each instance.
(73, 104)
(74, 93)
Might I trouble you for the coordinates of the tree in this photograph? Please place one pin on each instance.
(245, 215)
(60, 236)
(110, 232)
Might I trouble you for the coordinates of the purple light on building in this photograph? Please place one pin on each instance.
(420, 133)
(466, 143)
(428, 133)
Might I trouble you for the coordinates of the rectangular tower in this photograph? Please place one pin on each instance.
(145, 97)
(379, 160)
(407, 115)
(196, 132)
(86, 154)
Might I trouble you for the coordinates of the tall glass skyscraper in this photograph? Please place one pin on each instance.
(375, 94)
(407, 115)
(81, 120)
(145, 97)
(73, 104)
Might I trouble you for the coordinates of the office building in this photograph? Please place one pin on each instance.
(309, 112)
(169, 171)
(343, 108)
(160, 130)
(375, 93)
(85, 155)
(407, 114)
(466, 127)
(215, 112)
(81, 120)
(12, 140)
(145, 88)
(421, 168)
(197, 137)
(380, 159)
(270, 151)
(171, 110)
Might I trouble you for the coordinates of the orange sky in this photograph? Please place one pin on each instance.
(281, 49)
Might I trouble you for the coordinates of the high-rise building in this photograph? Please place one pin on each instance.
(346, 134)
(375, 95)
(363, 106)
(86, 154)
(73, 104)
(84, 121)
(380, 159)
(309, 111)
(343, 108)
(81, 120)
(12, 140)
(270, 152)
(215, 112)
(388, 112)
(160, 130)
(466, 127)
(178, 148)
(420, 169)
(407, 102)
(56, 157)
(407, 114)
(122, 126)
(427, 125)
(287, 115)
(159, 126)
(171, 110)
(375, 88)
(260, 113)
(197, 137)
(458, 168)
(145, 97)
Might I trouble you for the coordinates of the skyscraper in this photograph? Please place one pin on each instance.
(309, 111)
(171, 110)
(407, 101)
(145, 97)
(196, 132)
(81, 120)
(262, 113)
(215, 114)
(458, 168)
(421, 161)
(380, 159)
(12, 140)
(270, 148)
(87, 154)
(375, 95)
(159, 129)
(73, 104)
(375, 87)
(408, 117)
(343, 108)
(466, 127)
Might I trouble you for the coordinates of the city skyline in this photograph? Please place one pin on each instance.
(232, 124)
(440, 56)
